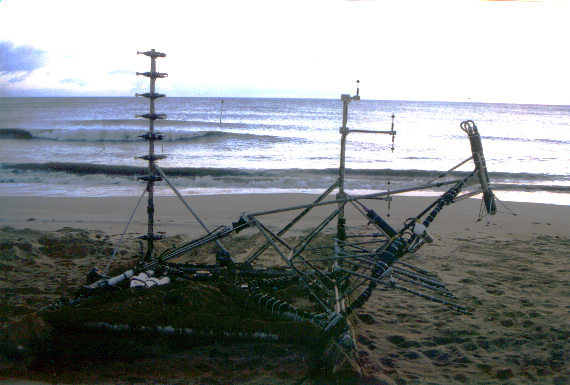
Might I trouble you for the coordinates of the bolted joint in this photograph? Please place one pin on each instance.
(153, 75)
(152, 136)
(151, 237)
(153, 95)
(152, 53)
(151, 116)
(153, 158)
(150, 178)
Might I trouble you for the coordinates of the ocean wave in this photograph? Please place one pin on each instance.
(90, 168)
(507, 139)
(292, 179)
(532, 188)
(117, 134)
(15, 133)
(525, 140)
(161, 124)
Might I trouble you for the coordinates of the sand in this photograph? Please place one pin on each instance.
(513, 273)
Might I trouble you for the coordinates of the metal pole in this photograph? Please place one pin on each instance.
(355, 198)
(344, 134)
(150, 182)
(257, 252)
(341, 232)
(346, 99)
(151, 137)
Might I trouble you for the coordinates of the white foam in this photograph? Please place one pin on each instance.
(118, 134)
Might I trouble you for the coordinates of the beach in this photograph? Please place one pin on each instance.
(110, 214)
(513, 273)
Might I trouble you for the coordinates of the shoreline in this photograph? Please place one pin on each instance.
(32, 190)
(111, 214)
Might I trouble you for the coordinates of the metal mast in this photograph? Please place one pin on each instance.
(344, 131)
(151, 137)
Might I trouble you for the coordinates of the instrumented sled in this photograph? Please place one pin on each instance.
(337, 278)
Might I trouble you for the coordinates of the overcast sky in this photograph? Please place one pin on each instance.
(456, 50)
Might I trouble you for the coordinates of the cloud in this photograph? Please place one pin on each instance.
(24, 58)
(17, 78)
(121, 72)
(74, 81)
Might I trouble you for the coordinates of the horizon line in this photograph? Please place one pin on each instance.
(289, 97)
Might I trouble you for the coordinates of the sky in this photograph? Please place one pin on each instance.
(428, 50)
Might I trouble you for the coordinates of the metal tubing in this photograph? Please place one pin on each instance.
(451, 169)
(467, 195)
(443, 292)
(304, 243)
(187, 205)
(151, 137)
(356, 245)
(412, 275)
(186, 248)
(352, 198)
(417, 269)
(150, 183)
(275, 236)
(302, 276)
(272, 242)
(257, 252)
(374, 224)
(429, 297)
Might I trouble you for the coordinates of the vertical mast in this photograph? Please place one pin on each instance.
(151, 137)
(344, 131)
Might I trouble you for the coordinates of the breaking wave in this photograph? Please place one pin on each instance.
(116, 134)
(289, 179)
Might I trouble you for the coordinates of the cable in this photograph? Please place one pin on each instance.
(120, 240)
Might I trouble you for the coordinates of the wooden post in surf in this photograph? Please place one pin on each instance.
(151, 137)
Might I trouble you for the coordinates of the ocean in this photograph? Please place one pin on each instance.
(90, 146)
